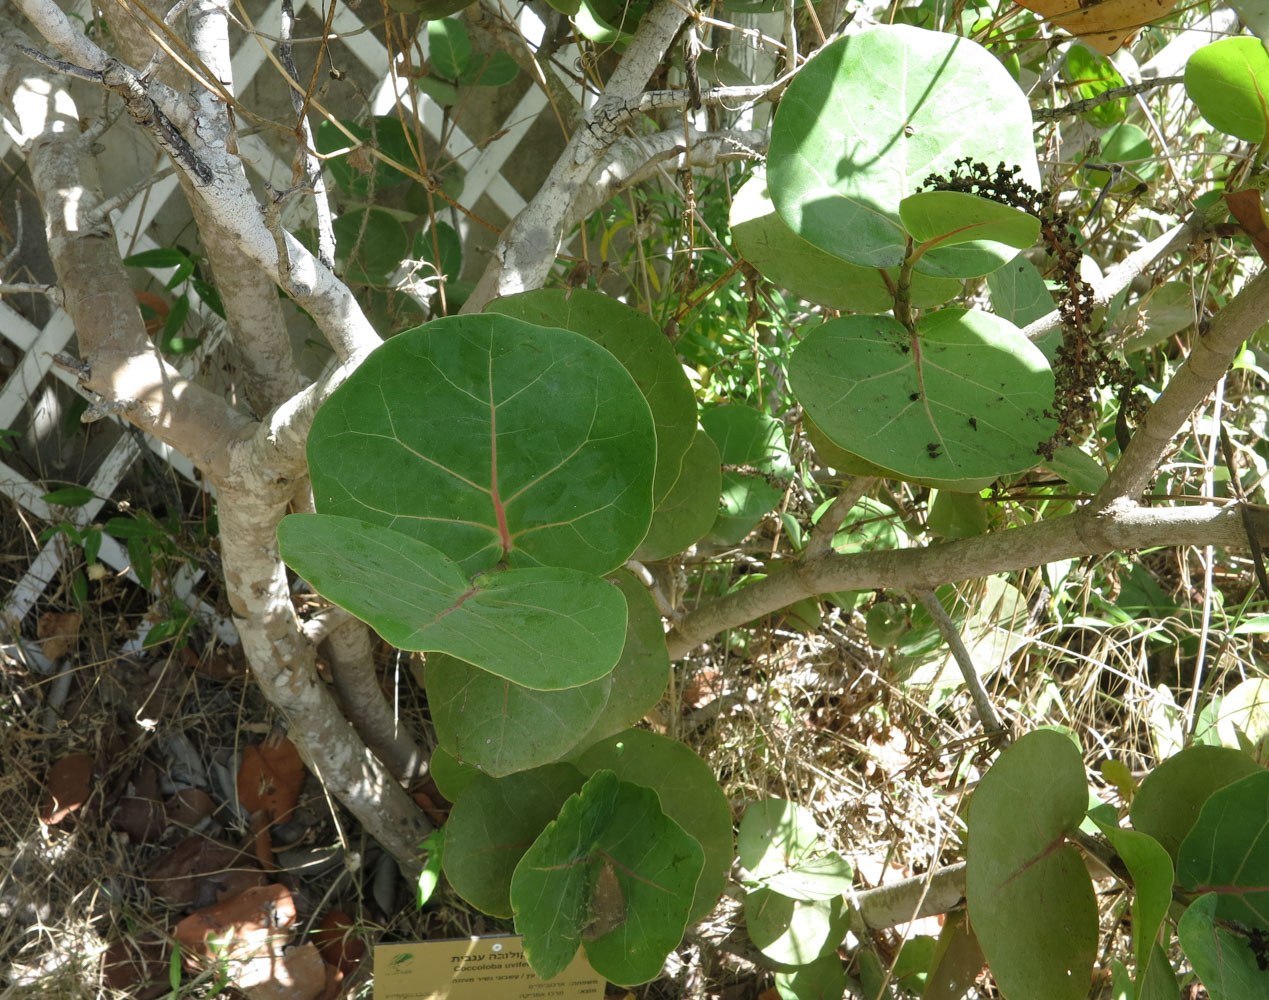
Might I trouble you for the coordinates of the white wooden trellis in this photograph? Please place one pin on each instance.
(36, 346)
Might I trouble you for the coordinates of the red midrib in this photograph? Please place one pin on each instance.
(500, 512)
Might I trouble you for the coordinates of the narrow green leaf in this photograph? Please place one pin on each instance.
(69, 496)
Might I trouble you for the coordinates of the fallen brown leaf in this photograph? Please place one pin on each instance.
(271, 777)
(198, 871)
(338, 942)
(1106, 25)
(59, 632)
(70, 782)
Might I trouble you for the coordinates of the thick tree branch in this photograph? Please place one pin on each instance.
(1211, 354)
(528, 246)
(633, 159)
(218, 179)
(1122, 274)
(1085, 533)
(123, 367)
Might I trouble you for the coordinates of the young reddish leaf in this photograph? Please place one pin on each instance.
(1249, 209)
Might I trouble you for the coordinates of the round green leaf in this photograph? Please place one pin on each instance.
(1167, 804)
(1018, 293)
(1228, 81)
(783, 847)
(611, 855)
(766, 241)
(957, 515)
(634, 340)
(492, 824)
(848, 462)
(688, 791)
(369, 245)
(451, 775)
(871, 117)
(688, 511)
(1223, 959)
(640, 677)
(1030, 897)
(543, 628)
(825, 977)
(792, 932)
(1093, 74)
(493, 440)
(501, 727)
(1227, 851)
(946, 218)
(496, 69)
(1127, 144)
(966, 398)
(449, 47)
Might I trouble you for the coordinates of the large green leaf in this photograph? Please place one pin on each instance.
(501, 727)
(640, 677)
(493, 440)
(947, 218)
(1169, 799)
(783, 847)
(689, 794)
(765, 240)
(687, 512)
(638, 343)
(1227, 851)
(612, 854)
(1228, 81)
(965, 398)
(1093, 74)
(793, 932)
(1030, 898)
(1223, 959)
(870, 118)
(492, 824)
(541, 628)
(1018, 294)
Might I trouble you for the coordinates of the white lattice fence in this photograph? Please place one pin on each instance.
(27, 391)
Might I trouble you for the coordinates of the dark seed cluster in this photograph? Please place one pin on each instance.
(1082, 364)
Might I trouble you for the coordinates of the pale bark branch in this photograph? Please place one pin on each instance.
(219, 180)
(633, 159)
(825, 529)
(528, 246)
(1083, 533)
(1211, 354)
(1122, 274)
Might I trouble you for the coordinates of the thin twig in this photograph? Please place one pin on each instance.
(986, 713)
(1105, 97)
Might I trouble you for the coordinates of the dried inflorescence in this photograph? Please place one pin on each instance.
(1082, 365)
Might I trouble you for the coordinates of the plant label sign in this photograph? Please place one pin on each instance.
(479, 968)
